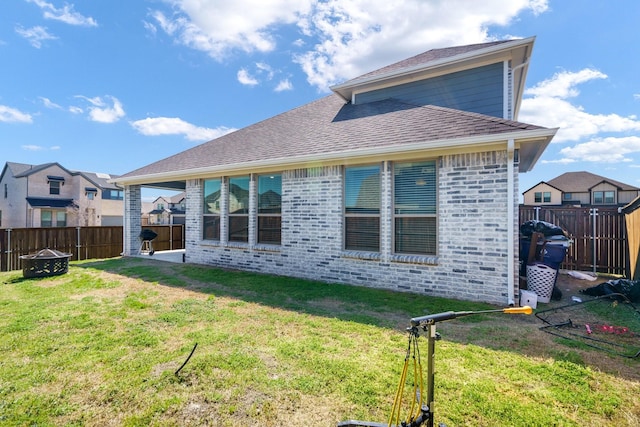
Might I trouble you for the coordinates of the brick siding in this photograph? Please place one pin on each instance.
(471, 263)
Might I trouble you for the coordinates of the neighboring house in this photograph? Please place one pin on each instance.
(168, 210)
(405, 178)
(580, 189)
(49, 195)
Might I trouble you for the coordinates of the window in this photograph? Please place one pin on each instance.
(568, 196)
(239, 209)
(46, 219)
(55, 182)
(415, 203)
(6, 190)
(113, 194)
(211, 211)
(362, 208)
(269, 209)
(603, 197)
(54, 187)
(61, 219)
(540, 197)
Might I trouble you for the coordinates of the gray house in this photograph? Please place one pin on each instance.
(405, 178)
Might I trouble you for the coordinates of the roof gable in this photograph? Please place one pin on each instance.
(437, 62)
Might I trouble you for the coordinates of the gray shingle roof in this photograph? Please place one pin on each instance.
(328, 125)
(578, 182)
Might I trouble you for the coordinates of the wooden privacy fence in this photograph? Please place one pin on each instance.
(81, 242)
(598, 235)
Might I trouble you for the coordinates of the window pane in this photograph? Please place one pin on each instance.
(54, 187)
(269, 229)
(269, 194)
(609, 197)
(239, 228)
(415, 188)
(415, 235)
(46, 218)
(211, 227)
(597, 197)
(362, 190)
(537, 197)
(239, 195)
(547, 197)
(212, 196)
(61, 219)
(362, 233)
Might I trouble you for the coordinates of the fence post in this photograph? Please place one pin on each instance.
(9, 263)
(537, 209)
(78, 242)
(594, 214)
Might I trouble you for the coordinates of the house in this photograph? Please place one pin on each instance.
(580, 189)
(405, 178)
(168, 210)
(50, 195)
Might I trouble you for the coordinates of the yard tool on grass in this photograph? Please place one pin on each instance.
(419, 411)
(610, 323)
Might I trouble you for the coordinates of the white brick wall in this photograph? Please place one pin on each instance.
(472, 255)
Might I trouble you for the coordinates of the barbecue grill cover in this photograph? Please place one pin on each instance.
(147, 234)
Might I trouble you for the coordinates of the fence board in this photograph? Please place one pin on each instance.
(607, 240)
(81, 242)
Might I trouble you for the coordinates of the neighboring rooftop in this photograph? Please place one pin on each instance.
(574, 182)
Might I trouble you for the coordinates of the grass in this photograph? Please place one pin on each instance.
(100, 346)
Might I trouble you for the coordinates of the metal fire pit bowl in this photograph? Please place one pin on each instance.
(45, 263)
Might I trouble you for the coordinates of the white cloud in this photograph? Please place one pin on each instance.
(35, 35)
(158, 126)
(246, 79)
(608, 150)
(564, 84)
(103, 111)
(32, 147)
(284, 85)
(218, 28)
(39, 148)
(49, 104)
(549, 106)
(12, 115)
(380, 32)
(64, 14)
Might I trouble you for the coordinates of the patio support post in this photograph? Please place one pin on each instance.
(132, 220)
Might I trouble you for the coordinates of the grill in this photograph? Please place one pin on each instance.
(47, 262)
(146, 236)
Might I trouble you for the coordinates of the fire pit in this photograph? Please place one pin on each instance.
(47, 262)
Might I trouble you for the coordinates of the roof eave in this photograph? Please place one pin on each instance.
(535, 140)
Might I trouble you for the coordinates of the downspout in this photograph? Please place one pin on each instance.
(510, 223)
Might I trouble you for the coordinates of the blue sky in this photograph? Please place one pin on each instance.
(110, 86)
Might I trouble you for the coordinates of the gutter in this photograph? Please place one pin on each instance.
(510, 224)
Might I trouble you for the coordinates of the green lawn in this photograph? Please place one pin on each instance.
(100, 346)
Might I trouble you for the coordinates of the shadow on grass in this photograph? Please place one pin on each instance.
(379, 307)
